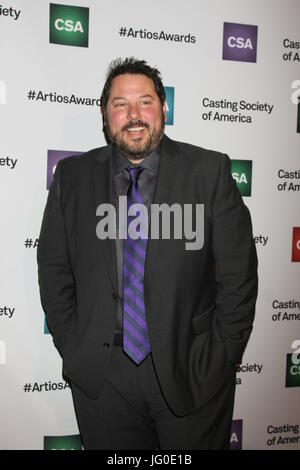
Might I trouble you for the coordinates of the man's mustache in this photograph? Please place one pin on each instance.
(131, 124)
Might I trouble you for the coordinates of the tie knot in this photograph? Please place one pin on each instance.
(135, 172)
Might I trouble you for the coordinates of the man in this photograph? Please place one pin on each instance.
(150, 329)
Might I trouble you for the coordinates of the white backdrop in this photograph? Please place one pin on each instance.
(185, 41)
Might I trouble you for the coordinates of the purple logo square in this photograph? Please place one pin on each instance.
(239, 42)
(236, 434)
(54, 156)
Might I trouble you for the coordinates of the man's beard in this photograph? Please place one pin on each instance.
(136, 151)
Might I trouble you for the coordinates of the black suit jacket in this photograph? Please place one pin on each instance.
(199, 304)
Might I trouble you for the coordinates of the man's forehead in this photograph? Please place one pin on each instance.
(132, 82)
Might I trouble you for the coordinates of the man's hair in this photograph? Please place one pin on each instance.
(133, 66)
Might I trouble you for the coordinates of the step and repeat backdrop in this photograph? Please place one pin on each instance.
(232, 77)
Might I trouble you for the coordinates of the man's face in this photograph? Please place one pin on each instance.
(134, 116)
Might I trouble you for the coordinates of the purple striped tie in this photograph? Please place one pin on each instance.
(136, 342)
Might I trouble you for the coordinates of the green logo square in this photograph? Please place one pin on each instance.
(170, 105)
(241, 171)
(292, 378)
(62, 442)
(69, 25)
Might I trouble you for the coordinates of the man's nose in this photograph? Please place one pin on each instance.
(133, 112)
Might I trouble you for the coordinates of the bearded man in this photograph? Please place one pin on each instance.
(150, 328)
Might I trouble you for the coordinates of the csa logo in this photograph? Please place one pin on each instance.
(292, 378)
(62, 443)
(69, 25)
(54, 156)
(239, 42)
(241, 171)
(236, 434)
(296, 244)
(296, 100)
(170, 105)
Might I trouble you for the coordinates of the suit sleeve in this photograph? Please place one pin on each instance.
(236, 260)
(56, 281)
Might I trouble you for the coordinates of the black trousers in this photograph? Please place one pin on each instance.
(131, 413)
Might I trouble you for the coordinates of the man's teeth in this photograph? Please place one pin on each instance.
(136, 129)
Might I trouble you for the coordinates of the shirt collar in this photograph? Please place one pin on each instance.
(150, 162)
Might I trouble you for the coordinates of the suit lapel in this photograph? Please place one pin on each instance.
(162, 194)
(103, 194)
(167, 168)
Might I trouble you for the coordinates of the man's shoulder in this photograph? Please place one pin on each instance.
(76, 171)
(193, 154)
(85, 160)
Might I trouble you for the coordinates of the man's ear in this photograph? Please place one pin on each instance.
(165, 110)
(103, 112)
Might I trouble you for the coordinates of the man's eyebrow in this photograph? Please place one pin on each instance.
(147, 96)
(116, 98)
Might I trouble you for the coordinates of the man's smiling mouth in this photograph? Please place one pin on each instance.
(135, 129)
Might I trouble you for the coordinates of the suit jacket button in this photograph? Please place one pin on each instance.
(114, 295)
(106, 345)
